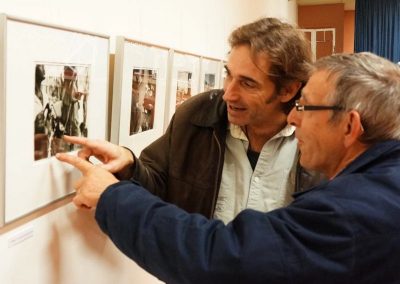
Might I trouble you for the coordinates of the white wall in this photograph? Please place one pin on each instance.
(63, 244)
(285, 10)
(200, 27)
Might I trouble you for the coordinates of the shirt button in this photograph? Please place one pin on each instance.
(256, 179)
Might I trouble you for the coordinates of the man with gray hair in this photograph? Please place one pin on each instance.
(345, 230)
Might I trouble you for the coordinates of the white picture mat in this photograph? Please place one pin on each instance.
(138, 56)
(222, 74)
(31, 184)
(209, 66)
(183, 63)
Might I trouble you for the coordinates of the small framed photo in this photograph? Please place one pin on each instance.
(222, 74)
(53, 82)
(138, 106)
(185, 75)
(210, 74)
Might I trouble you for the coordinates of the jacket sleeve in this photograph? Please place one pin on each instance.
(168, 157)
(151, 168)
(177, 247)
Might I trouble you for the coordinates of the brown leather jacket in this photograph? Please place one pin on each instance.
(184, 166)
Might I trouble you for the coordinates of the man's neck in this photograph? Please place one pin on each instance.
(258, 136)
(351, 154)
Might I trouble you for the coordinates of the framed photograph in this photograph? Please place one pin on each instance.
(53, 82)
(210, 74)
(138, 110)
(184, 82)
(222, 75)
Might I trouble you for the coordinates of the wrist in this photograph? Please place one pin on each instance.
(128, 158)
(128, 155)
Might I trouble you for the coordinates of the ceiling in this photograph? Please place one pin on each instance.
(348, 4)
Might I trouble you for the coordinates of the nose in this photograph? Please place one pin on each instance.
(294, 118)
(230, 89)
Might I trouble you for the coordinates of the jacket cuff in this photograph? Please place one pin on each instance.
(127, 173)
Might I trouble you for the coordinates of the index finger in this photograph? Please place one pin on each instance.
(93, 145)
(79, 163)
(76, 140)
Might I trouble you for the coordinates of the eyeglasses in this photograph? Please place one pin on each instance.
(300, 107)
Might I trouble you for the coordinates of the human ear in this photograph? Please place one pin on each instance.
(353, 128)
(289, 92)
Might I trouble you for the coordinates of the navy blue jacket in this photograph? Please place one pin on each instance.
(346, 230)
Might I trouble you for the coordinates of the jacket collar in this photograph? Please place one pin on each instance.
(372, 154)
(212, 111)
(376, 151)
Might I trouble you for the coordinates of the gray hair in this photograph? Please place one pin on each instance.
(370, 85)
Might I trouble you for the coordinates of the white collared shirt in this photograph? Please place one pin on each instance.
(269, 186)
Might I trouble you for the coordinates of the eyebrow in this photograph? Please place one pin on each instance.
(303, 96)
(243, 77)
(226, 68)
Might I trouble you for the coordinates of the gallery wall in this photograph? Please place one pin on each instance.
(58, 243)
(349, 26)
(324, 16)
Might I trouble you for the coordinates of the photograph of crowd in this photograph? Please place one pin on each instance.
(183, 87)
(209, 81)
(144, 83)
(60, 107)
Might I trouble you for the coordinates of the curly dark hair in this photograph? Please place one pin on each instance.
(286, 47)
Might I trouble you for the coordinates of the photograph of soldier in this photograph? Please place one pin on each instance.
(183, 87)
(144, 82)
(61, 93)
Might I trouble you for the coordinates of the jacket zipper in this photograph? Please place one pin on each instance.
(216, 190)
